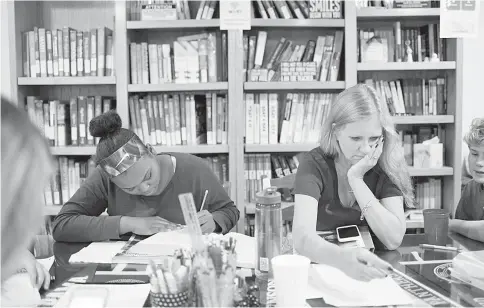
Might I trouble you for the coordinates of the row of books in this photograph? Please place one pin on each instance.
(398, 4)
(413, 96)
(314, 9)
(192, 59)
(428, 193)
(180, 119)
(66, 123)
(67, 52)
(396, 44)
(270, 165)
(173, 9)
(71, 173)
(272, 118)
(324, 52)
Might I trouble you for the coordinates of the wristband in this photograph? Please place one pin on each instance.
(365, 208)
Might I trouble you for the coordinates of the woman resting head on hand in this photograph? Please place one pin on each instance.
(357, 176)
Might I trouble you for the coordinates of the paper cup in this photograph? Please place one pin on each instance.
(291, 279)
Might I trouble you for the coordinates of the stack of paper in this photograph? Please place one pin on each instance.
(338, 289)
(98, 252)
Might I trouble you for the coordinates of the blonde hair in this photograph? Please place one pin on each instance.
(358, 103)
(475, 135)
(26, 167)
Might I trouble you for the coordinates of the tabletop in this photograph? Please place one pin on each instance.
(428, 281)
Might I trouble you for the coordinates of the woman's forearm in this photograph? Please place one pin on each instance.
(381, 220)
(317, 249)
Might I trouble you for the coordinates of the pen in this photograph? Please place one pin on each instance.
(436, 247)
(204, 199)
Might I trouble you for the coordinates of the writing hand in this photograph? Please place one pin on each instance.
(207, 223)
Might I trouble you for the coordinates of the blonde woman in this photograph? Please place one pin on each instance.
(469, 215)
(356, 176)
(26, 166)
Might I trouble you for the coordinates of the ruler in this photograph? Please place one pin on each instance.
(191, 219)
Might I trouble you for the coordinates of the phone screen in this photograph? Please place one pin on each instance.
(348, 232)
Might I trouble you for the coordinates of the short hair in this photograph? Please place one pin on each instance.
(108, 126)
(475, 135)
(358, 103)
(26, 166)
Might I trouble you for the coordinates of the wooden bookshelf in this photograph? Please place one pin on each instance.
(178, 87)
(113, 14)
(297, 23)
(294, 86)
(407, 66)
(58, 81)
(380, 13)
(173, 24)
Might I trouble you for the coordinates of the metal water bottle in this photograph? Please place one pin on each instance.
(268, 230)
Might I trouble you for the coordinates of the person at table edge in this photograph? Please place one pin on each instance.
(357, 176)
(469, 215)
(139, 188)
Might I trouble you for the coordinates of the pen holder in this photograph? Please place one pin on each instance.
(169, 300)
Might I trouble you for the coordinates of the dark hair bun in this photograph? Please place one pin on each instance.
(106, 124)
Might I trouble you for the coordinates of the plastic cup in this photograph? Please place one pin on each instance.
(291, 280)
(436, 225)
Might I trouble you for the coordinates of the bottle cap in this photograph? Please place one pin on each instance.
(268, 196)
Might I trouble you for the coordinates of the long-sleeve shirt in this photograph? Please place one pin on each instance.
(80, 219)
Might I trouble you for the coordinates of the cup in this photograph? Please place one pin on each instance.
(436, 226)
(291, 279)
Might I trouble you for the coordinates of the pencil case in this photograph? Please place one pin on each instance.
(169, 300)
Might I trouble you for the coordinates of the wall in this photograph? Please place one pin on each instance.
(473, 68)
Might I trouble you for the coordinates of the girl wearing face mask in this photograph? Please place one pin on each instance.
(357, 176)
(139, 188)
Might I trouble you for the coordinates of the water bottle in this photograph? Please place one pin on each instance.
(268, 230)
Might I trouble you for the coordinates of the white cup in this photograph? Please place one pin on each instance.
(291, 279)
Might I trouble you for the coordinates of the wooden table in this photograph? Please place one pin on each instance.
(423, 274)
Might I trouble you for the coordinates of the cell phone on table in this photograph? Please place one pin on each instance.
(348, 233)
(92, 297)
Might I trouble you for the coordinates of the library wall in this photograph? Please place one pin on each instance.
(472, 103)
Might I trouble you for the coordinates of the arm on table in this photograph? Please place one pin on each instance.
(385, 217)
(471, 229)
(79, 219)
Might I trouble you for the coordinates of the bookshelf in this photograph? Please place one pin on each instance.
(115, 15)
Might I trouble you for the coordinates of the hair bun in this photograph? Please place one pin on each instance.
(105, 124)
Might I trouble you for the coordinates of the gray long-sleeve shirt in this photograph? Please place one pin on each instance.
(80, 219)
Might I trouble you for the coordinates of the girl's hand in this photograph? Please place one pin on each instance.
(359, 169)
(361, 264)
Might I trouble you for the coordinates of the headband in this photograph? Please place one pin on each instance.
(124, 157)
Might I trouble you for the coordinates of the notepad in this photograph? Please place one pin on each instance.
(98, 252)
(338, 289)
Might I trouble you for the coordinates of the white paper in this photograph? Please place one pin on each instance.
(119, 295)
(338, 289)
(235, 15)
(47, 262)
(97, 252)
(245, 249)
(459, 19)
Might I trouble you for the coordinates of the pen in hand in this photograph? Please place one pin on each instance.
(204, 199)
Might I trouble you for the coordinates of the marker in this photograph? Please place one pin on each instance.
(436, 247)
(204, 199)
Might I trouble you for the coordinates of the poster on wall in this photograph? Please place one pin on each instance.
(459, 18)
(235, 15)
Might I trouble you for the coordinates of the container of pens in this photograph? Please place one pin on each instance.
(169, 281)
(213, 273)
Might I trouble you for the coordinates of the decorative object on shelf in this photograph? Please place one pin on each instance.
(408, 52)
(298, 71)
(374, 50)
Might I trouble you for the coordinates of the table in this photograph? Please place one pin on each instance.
(461, 294)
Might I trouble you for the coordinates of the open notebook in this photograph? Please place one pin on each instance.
(162, 245)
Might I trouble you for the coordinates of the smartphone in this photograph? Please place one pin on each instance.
(348, 233)
(93, 297)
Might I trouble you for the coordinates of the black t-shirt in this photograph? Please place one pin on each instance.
(316, 177)
(471, 203)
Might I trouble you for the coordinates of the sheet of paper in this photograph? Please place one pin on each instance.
(245, 249)
(163, 243)
(98, 252)
(47, 262)
(338, 289)
(119, 295)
